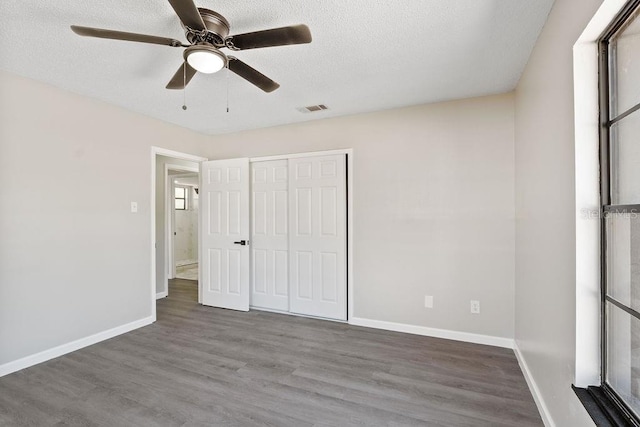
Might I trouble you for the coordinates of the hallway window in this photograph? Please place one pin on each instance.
(181, 198)
(620, 195)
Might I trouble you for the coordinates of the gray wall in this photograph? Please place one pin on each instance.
(545, 211)
(73, 260)
(433, 207)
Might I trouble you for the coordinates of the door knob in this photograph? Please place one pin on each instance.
(241, 242)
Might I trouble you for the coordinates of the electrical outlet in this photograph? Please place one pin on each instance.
(475, 307)
(428, 301)
(134, 207)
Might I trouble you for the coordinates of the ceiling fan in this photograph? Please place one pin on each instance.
(207, 32)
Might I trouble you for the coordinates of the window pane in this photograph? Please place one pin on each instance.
(623, 355)
(623, 258)
(625, 160)
(180, 192)
(180, 204)
(627, 67)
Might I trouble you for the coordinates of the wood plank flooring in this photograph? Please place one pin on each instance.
(199, 366)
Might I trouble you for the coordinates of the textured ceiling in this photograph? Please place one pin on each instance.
(366, 55)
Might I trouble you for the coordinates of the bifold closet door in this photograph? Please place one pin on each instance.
(318, 236)
(224, 233)
(269, 238)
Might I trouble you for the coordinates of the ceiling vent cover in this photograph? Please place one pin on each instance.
(313, 108)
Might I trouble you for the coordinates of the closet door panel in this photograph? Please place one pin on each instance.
(317, 242)
(224, 222)
(269, 238)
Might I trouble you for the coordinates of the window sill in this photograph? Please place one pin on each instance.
(602, 409)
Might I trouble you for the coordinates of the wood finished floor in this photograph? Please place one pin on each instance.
(199, 366)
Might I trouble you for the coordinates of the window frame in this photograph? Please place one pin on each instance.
(606, 68)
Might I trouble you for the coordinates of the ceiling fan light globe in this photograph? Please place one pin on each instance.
(205, 59)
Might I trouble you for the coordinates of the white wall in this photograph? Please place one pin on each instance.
(433, 207)
(545, 212)
(186, 228)
(73, 260)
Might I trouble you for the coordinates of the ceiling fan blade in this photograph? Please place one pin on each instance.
(182, 78)
(121, 35)
(188, 14)
(252, 75)
(298, 34)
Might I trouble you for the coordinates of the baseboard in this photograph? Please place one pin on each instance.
(161, 295)
(63, 349)
(434, 332)
(533, 387)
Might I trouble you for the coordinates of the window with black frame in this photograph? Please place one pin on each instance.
(180, 198)
(620, 181)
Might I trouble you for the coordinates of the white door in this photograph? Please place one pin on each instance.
(224, 231)
(317, 236)
(269, 236)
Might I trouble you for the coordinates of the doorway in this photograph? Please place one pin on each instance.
(184, 225)
(162, 211)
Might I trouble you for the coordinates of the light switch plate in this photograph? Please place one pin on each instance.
(134, 207)
(428, 301)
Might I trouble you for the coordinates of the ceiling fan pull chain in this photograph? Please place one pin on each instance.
(184, 88)
(227, 88)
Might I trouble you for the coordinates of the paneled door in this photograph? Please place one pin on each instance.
(317, 236)
(224, 231)
(269, 235)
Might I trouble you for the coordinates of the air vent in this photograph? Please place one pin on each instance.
(313, 108)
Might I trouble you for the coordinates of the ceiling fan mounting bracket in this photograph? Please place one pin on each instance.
(229, 44)
(217, 29)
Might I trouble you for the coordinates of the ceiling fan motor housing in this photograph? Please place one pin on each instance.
(217, 29)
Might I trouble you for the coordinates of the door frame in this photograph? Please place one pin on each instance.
(169, 220)
(349, 153)
(158, 151)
